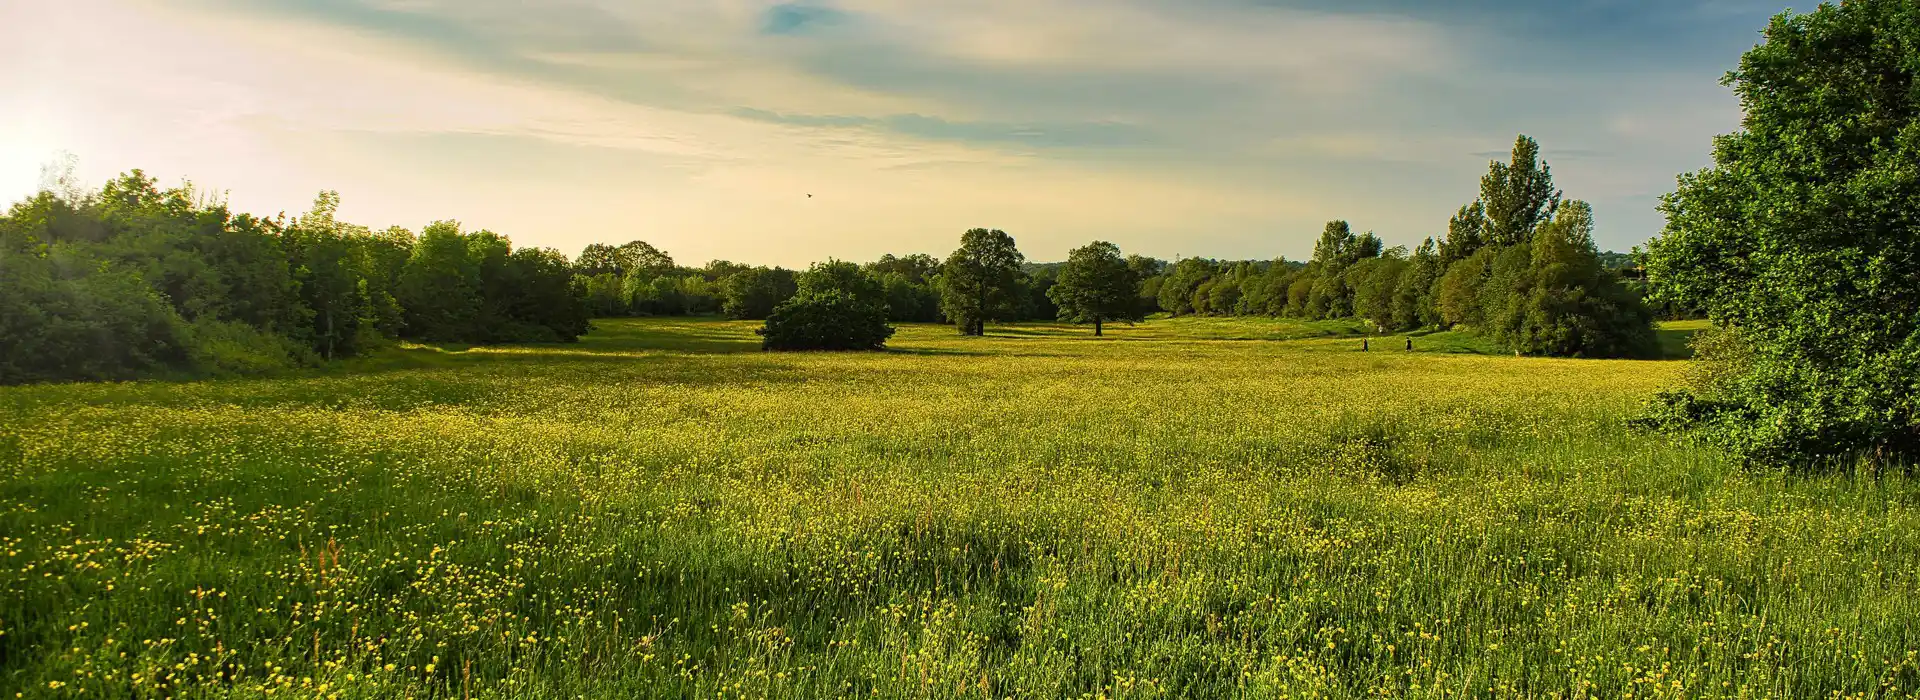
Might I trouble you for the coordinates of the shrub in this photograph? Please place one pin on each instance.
(826, 320)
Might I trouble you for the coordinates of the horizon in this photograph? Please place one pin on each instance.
(1224, 129)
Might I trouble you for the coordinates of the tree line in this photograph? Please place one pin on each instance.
(134, 280)
(1517, 265)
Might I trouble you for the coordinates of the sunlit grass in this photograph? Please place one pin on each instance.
(1187, 507)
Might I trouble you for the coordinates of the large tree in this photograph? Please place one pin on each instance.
(980, 281)
(1096, 286)
(1803, 240)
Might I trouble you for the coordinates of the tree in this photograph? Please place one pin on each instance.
(1096, 286)
(844, 277)
(1338, 249)
(1800, 240)
(1457, 295)
(753, 293)
(640, 257)
(1375, 283)
(440, 286)
(1466, 233)
(1177, 288)
(1572, 305)
(1518, 195)
(598, 259)
(980, 280)
(918, 268)
(1148, 271)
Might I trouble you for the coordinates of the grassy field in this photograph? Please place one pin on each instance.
(1186, 508)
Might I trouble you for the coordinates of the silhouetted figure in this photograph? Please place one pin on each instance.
(1409, 343)
(1363, 345)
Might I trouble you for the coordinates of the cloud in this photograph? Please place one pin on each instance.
(796, 18)
(1239, 124)
(1067, 135)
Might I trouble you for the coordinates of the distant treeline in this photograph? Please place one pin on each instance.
(134, 280)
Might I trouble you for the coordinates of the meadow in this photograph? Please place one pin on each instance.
(1185, 508)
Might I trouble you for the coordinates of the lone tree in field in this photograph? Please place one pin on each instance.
(1097, 285)
(981, 280)
(1803, 242)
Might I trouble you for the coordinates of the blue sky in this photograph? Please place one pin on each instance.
(1220, 128)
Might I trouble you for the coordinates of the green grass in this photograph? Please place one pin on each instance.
(1186, 508)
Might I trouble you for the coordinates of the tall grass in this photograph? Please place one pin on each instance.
(661, 511)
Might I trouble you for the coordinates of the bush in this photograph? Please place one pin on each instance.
(826, 320)
(231, 348)
(65, 317)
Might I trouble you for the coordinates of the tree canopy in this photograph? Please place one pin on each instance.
(1801, 240)
(980, 281)
(1096, 286)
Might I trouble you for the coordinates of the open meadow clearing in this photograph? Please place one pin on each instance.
(1197, 508)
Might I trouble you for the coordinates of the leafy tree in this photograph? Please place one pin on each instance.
(65, 316)
(1376, 282)
(753, 293)
(606, 295)
(980, 280)
(910, 301)
(1180, 282)
(1518, 195)
(1034, 286)
(717, 270)
(1466, 233)
(1149, 271)
(599, 259)
(440, 286)
(1574, 306)
(918, 268)
(1413, 304)
(845, 277)
(1457, 295)
(1096, 286)
(1801, 240)
(1338, 249)
(640, 257)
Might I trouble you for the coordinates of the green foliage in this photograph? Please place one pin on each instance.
(1332, 293)
(440, 286)
(1801, 236)
(1096, 286)
(844, 277)
(1549, 296)
(753, 293)
(981, 281)
(1518, 196)
(826, 318)
(65, 316)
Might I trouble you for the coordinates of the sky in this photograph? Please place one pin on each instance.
(1173, 128)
